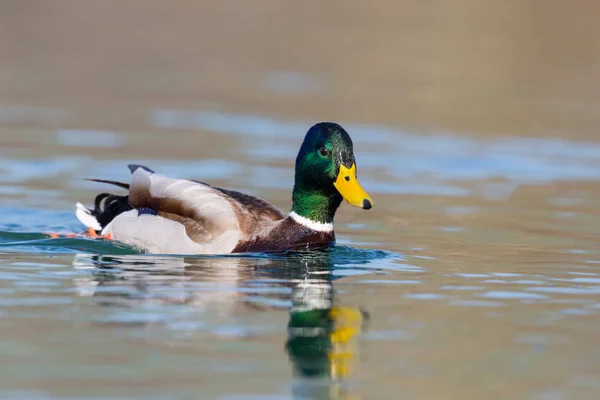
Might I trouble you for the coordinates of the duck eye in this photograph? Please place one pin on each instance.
(324, 152)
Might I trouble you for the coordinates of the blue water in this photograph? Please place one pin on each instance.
(98, 285)
(480, 255)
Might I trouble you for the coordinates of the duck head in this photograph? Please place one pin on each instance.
(326, 173)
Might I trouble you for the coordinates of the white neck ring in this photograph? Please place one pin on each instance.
(314, 225)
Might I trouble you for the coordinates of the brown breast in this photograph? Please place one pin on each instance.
(287, 235)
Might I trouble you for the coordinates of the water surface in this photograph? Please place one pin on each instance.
(479, 278)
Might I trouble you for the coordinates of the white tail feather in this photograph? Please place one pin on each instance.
(85, 217)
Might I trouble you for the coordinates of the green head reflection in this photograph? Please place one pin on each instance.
(322, 337)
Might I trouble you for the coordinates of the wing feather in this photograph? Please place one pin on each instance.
(212, 219)
(216, 211)
(258, 207)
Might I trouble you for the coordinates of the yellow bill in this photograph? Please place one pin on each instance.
(347, 184)
(347, 328)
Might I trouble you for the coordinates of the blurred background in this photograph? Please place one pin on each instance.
(475, 125)
(509, 68)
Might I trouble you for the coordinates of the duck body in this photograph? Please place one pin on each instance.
(164, 215)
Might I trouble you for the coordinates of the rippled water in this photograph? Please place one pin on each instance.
(476, 274)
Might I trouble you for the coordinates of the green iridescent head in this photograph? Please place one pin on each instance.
(326, 174)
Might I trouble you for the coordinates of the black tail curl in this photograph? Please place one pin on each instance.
(107, 206)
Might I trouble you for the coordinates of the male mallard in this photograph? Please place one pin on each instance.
(180, 216)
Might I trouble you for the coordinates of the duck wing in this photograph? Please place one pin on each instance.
(168, 215)
(189, 212)
(258, 207)
(108, 206)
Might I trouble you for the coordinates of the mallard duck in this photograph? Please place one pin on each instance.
(179, 216)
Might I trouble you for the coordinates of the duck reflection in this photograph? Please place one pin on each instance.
(322, 340)
(322, 335)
